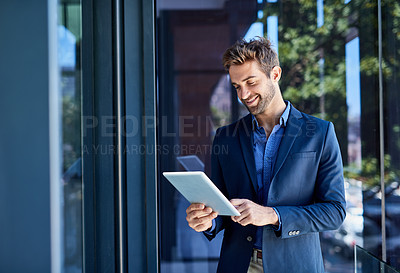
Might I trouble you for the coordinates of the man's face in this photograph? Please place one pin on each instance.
(253, 87)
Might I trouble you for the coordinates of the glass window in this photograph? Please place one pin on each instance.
(391, 87)
(326, 58)
(69, 40)
(328, 52)
(195, 98)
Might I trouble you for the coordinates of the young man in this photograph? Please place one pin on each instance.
(283, 172)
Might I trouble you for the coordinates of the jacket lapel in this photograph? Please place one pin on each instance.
(246, 143)
(293, 127)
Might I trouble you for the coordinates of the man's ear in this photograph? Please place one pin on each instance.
(276, 73)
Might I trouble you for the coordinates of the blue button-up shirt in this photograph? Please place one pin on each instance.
(265, 153)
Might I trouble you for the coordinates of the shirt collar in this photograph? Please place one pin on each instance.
(282, 119)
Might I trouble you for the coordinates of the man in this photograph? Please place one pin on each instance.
(283, 172)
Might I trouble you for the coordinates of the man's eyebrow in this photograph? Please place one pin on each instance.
(248, 78)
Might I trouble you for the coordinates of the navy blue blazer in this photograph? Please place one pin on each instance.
(307, 190)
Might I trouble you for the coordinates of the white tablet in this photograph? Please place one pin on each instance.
(196, 187)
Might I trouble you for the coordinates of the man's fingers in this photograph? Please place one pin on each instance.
(199, 213)
(202, 227)
(241, 204)
(197, 210)
(195, 206)
(237, 202)
(199, 217)
(202, 218)
(244, 219)
(199, 223)
(243, 214)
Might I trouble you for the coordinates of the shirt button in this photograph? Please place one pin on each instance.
(297, 232)
(249, 238)
(290, 233)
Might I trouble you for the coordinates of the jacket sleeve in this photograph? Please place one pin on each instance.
(328, 210)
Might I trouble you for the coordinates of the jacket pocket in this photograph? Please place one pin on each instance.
(303, 155)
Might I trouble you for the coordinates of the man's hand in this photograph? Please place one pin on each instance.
(254, 214)
(200, 217)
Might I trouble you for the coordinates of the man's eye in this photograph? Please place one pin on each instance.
(251, 83)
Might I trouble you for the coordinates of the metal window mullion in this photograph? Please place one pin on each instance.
(120, 161)
(55, 137)
(381, 134)
(150, 159)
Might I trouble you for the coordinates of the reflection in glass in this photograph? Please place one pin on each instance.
(328, 54)
(320, 13)
(69, 32)
(365, 262)
(346, 39)
(220, 102)
(256, 29)
(272, 32)
(353, 101)
(321, 57)
(195, 98)
(391, 87)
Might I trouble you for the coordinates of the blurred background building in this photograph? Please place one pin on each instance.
(98, 98)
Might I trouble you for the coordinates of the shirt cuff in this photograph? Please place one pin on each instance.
(277, 228)
(211, 230)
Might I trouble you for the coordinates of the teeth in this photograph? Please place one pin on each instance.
(252, 100)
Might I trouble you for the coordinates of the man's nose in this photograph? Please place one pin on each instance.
(244, 94)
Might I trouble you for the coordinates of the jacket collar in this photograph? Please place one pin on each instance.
(292, 130)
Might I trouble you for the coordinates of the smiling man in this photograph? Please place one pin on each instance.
(283, 172)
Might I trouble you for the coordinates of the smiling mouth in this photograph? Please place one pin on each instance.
(251, 101)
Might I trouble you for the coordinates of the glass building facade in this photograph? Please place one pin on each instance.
(329, 54)
(100, 97)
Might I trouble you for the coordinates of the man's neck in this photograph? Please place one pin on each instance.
(270, 117)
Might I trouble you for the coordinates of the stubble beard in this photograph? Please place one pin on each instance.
(264, 101)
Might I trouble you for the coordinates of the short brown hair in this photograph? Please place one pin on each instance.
(258, 49)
